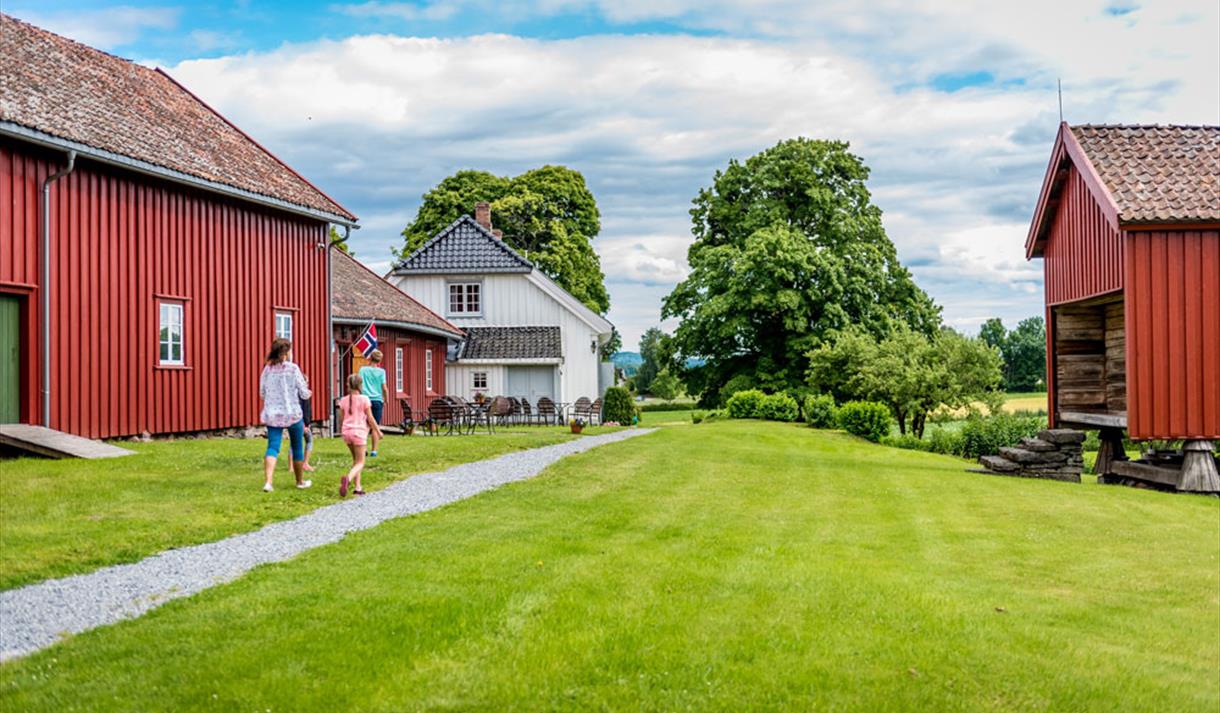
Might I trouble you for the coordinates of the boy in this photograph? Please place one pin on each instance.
(372, 378)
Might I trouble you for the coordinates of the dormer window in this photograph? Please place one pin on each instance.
(465, 299)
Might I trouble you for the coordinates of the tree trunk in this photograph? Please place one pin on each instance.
(917, 423)
(902, 421)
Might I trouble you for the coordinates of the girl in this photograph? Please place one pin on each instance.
(357, 416)
(373, 378)
(282, 386)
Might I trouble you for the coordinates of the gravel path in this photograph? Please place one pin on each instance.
(36, 616)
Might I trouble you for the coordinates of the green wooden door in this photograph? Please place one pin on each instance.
(10, 359)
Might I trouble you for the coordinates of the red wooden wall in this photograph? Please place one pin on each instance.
(1084, 251)
(1173, 334)
(414, 346)
(119, 242)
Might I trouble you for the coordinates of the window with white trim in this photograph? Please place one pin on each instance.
(169, 334)
(465, 299)
(398, 386)
(478, 380)
(283, 325)
(428, 369)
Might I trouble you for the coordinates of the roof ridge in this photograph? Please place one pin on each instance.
(448, 230)
(250, 138)
(78, 43)
(1212, 127)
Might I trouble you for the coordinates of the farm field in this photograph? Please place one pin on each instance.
(69, 516)
(793, 568)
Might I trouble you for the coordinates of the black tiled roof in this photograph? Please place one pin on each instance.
(464, 247)
(511, 343)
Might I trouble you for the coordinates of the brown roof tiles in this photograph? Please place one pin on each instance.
(59, 87)
(358, 293)
(1157, 174)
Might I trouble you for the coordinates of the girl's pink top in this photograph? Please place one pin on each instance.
(355, 417)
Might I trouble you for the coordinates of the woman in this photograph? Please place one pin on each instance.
(282, 386)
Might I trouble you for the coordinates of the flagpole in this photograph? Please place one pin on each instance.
(362, 333)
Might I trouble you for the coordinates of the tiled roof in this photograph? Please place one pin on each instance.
(358, 293)
(511, 343)
(464, 247)
(1157, 174)
(59, 87)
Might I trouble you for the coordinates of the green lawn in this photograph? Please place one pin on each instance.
(666, 418)
(724, 566)
(70, 516)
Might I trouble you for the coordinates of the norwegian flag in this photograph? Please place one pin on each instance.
(367, 343)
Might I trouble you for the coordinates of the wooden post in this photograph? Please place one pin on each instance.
(1199, 468)
(1110, 450)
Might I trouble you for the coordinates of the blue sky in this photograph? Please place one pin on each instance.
(952, 105)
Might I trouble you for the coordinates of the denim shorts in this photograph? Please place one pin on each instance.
(378, 406)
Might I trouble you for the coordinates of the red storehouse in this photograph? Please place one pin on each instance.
(172, 249)
(1128, 227)
(413, 339)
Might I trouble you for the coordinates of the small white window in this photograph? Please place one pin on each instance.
(283, 325)
(479, 380)
(428, 369)
(398, 370)
(169, 339)
(465, 298)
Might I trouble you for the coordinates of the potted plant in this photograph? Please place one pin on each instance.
(577, 425)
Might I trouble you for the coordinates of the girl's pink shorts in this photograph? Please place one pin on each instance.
(354, 439)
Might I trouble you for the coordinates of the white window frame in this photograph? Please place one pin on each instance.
(428, 369)
(286, 316)
(474, 380)
(166, 311)
(464, 300)
(398, 386)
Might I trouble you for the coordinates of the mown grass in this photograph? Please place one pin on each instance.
(71, 516)
(725, 566)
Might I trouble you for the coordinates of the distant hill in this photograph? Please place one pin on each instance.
(629, 362)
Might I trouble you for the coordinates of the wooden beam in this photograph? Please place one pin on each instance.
(1143, 471)
(1087, 418)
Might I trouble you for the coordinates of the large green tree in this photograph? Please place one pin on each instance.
(548, 214)
(1023, 350)
(658, 352)
(788, 248)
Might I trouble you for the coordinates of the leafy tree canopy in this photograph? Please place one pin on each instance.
(666, 386)
(658, 351)
(1023, 350)
(788, 248)
(548, 214)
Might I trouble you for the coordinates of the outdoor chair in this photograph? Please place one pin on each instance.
(527, 413)
(441, 415)
(477, 413)
(408, 421)
(500, 410)
(516, 403)
(583, 409)
(546, 411)
(595, 412)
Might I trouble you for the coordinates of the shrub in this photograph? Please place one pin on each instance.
(983, 436)
(778, 407)
(745, 404)
(617, 406)
(909, 442)
(741, 382)
(866, 419)
(820, 411)
(945, 441)
(667, 406)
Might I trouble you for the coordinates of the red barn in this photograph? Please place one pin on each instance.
(1128, 227)
(149, 250)
(412, 338)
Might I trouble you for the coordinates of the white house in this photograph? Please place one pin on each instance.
(525, 335)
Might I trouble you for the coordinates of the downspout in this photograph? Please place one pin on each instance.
(44, 285)
(330, 331)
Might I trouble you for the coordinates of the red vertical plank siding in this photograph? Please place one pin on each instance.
(1173, 334)
(117, 241)
(1083, 254)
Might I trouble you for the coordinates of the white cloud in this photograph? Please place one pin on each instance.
(377, 120)
(105, 29)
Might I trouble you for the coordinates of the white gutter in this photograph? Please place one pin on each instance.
(17, 131)
(398, 325)
(543, 361)
(44, 285)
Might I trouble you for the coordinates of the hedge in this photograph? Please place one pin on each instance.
(867, 419)
(668, 406)
(745, 404)
(820, 411)
(778, 407)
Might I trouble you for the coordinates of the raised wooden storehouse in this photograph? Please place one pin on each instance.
(1128, 227)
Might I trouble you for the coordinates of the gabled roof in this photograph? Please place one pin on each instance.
(62, 93)
(465, 247)
(358, 294)
(493, 343)
(1139, 175)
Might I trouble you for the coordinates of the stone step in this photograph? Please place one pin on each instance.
(1037, 444)
(999, 464)
(1061, 436)
(1023, 456)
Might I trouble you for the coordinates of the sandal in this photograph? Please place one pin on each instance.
(343, 487)
(357, 492)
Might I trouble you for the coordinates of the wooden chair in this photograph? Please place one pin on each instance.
(546, 411)
(441, 415)
(516, 408)
(527, 413)
(499, 411)
(408, 421)
(595, 411)
(583, 409)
